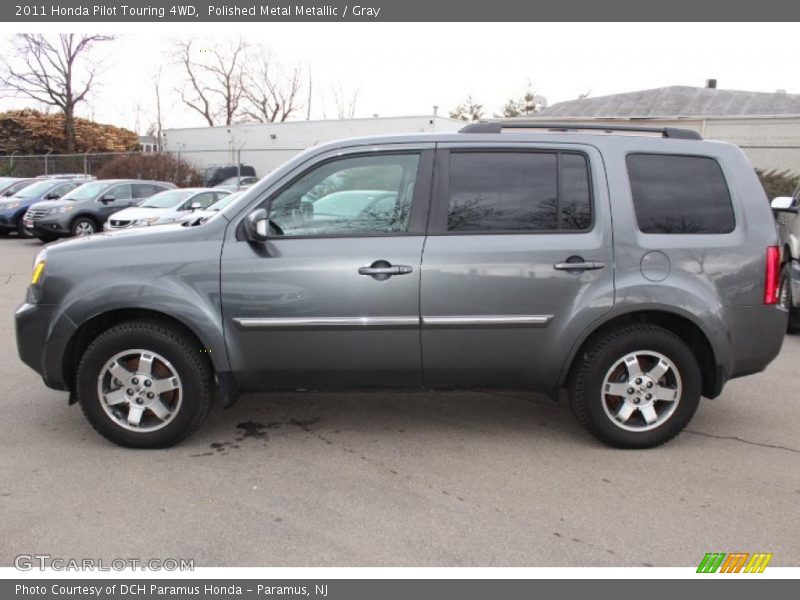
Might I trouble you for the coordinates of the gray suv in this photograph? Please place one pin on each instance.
(85, 209)
(636, 270)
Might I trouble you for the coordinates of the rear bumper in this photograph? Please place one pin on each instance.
(756, 337)
(42, 343)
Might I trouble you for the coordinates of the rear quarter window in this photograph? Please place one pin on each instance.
(680, 194)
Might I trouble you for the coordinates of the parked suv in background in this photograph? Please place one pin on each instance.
(165, 207)
(12, 209)
(787, 214)
(639, 272)
(84, 210)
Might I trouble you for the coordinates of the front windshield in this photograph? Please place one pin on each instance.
(87, 191)
(16, 188)
(220, 204)
(169, 199)
(36, 189)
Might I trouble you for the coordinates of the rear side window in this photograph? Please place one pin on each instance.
(119, 192)
(679, 194)
(518, 191)
(145, 190)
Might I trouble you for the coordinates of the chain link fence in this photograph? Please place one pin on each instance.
(781, 160)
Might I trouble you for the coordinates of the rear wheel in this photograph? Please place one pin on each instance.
(144, 384)
(787, 300)
(83, 226)
(636, 387)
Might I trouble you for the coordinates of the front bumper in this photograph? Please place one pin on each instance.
(42, 341)
(8, 221)
(50, 226)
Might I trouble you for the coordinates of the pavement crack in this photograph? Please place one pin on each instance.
(734, 438)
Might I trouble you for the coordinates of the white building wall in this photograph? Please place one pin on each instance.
(771, 143)
(266, 146)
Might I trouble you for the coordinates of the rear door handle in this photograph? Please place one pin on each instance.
(579, 266)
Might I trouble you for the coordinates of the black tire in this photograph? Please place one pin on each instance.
(601, 354)
(83, 222)
(787, 300)
(21, 231)
(184, 355)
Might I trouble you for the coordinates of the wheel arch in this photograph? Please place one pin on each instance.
(688, 330)
(89, 329)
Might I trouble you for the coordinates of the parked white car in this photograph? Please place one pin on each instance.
(170, 206)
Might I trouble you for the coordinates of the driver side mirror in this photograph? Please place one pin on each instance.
(196, 206)
(52, 196)
(256, 225)
(107, 199)
(783, 204)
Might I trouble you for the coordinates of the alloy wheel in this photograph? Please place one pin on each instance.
(140, 390)
(641, 391)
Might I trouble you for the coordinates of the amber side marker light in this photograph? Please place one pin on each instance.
(38, 270)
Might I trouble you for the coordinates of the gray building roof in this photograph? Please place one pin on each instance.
(678, 101)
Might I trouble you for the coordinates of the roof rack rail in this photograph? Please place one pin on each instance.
(499, 126)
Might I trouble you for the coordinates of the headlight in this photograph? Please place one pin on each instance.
(38, 267)
(148, 221)
(10, 205)
(61, 209)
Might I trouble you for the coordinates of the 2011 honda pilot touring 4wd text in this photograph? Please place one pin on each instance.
(638, 270)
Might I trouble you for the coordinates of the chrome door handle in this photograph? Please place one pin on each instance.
(396, 270)
(579, 266)
(382, 270)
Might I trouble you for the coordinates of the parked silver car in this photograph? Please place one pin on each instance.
(165, 207)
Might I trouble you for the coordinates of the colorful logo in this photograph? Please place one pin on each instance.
(735, 562)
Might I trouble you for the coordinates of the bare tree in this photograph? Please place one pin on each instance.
(159, 128)
(272, 93)
(214, 84)
(53, 70)
(345, 101)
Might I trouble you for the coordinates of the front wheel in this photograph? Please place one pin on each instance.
(636, 387)
(21, 231)
(83, 226)
(144, 384)
(787, 300)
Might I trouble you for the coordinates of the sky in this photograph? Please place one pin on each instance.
(407, 68)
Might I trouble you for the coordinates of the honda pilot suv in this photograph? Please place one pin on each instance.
(636, 269)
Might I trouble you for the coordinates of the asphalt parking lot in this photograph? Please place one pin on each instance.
(429, 479)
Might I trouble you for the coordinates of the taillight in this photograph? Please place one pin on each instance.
(772, 275)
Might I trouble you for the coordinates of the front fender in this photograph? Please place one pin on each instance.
(170, 272)
(180, 302)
